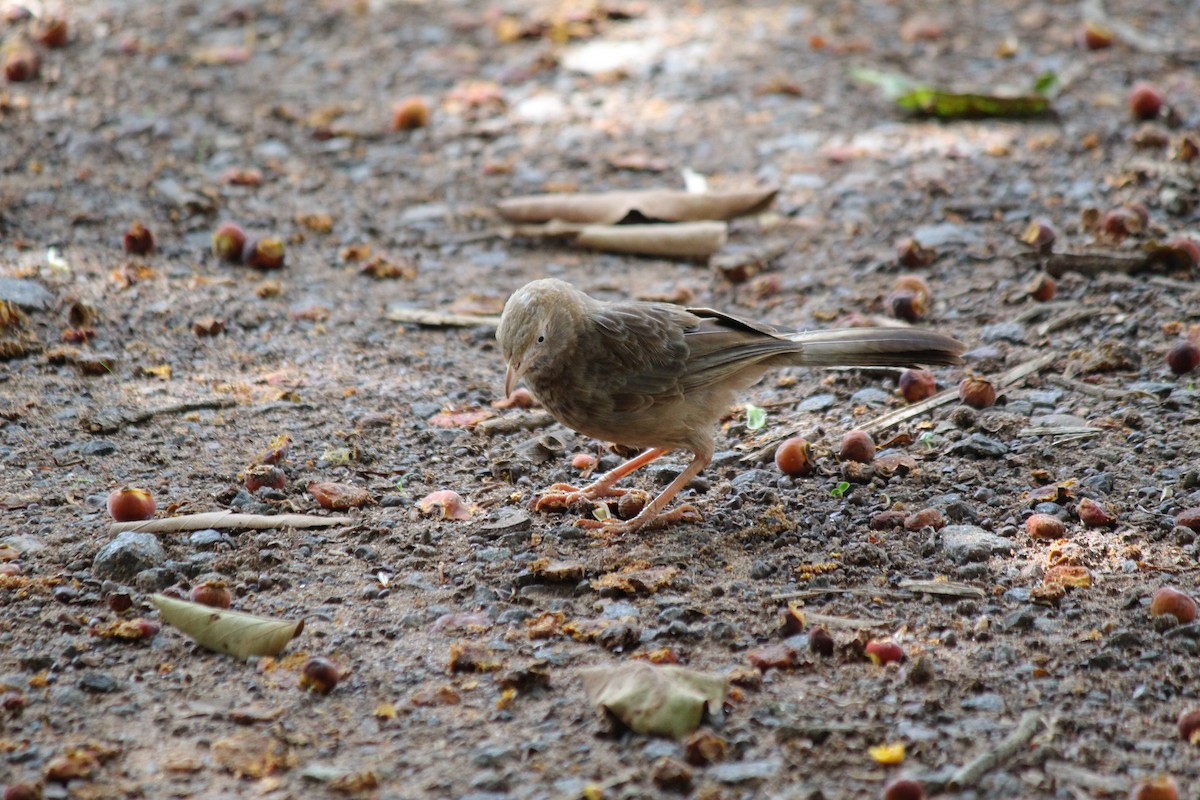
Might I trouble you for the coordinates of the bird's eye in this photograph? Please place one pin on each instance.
(541, 339)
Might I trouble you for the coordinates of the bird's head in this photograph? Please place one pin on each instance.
(538, 320)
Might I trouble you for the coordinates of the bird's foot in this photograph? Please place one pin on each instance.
(642, 522)
(562, 496)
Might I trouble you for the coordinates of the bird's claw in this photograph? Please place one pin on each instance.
(683, 513)
(562, 496)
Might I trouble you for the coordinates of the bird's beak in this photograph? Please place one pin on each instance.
(510, 381)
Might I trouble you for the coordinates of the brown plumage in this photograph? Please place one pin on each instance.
(660, 376)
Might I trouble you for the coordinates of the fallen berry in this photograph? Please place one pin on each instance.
(410, 114)
(228, 241)
(263, 253)
(904, 789)
(1045, 526)
(1183, 357)
(917, 385)
(1166, 600)
(211, 593)
(884, 652)
(1094, 515)
(977, 392)
(319, 675)
(857, 446)
(130, 504)
(793, 457)
(1145, 100)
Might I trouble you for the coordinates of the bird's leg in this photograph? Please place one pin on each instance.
(652, 515)
(561, 495)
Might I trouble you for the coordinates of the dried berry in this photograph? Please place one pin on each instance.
(1094, 515)
(21, 63)
(905, 305)
(1045, 526)
(1094, 36)
(228, 241)
(130, 504)
(1120, 222)
(119, 601)
(445, 504)
(977, 392)
(794, 457)
(857, 446)
(1189, 726)
(1183, 357)
(263, 253)
(51, 31)
(211, 593)
(911, 254)
(884, 652)
(915, 284)
(917, 385)
(925, 518)
(1039, 235)
(23, 791)
(410, 114)
(1160, 787)
(1042, 288)
(1179, 254)
(263, 475)
(1145, 100)
(904, 789)
(138, 240)
(319, 675)
(1166, 600)
(820, 641)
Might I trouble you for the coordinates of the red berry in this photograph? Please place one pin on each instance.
(228, 241)
(319, 675)
(1145, 100)
(410, 114)
(1183, 357)
(1044, 526)
(857, 446)
(211, 593)
(884, 652)
(130, 504)
(263, 253)
(917, 385)
(904, 789)
(794, 457)
(1093, 36)
(977, 392)
(1166, 600)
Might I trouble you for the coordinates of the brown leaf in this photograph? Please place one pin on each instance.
(635, 580)
(253, 755)
(460, 418)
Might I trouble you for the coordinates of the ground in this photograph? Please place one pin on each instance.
(158, 113)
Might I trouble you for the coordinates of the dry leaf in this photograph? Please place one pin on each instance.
(658, 700)
(682, 240)
(635, 580)
(252, 755)
(231, 632)
(609, 208)
(338, 496)
(460, 418)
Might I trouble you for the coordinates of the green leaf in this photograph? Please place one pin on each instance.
(755, 417)
(921, 98)
(1048, 83)
(840, 490)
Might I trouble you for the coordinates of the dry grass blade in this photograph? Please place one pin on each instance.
(228, 520)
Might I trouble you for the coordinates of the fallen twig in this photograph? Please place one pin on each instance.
(893, 418)
(944, 588)
(113, 419)
(438, 319)
(1092, 390)
(1066, 772)
(970, 773)
(519, 422)
(228, 520)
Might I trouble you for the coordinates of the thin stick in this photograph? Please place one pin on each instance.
(970, 773)
(228, 520)
(111, 421)
(438, 319)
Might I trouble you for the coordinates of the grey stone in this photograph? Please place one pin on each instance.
(870, 396)
(27, 294)
(989, 701)
(966, 543)
(978, 446)
(817, 402)
(738, 772)
(1003, 332)
(127, 555)
(208, 539)
(506, 521)
(100, 447)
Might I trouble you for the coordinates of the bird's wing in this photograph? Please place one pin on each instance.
(650, 352)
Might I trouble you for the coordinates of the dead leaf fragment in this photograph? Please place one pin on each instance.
(460, 418)
(444, 504)
(233, 633)
(655, 700)
(473, 657)
(253, 755)
(635, 579)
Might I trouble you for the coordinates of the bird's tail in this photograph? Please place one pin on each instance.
(876, 347)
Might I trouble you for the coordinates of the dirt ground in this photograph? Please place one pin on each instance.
(161, 113)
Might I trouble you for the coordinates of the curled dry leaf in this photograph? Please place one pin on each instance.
(609, 208)
(338, 496)
(444, 504)
(230, 632)
(657, 700)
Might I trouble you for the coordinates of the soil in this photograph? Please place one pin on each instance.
(157, 113)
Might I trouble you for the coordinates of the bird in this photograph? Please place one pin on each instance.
(660, 376)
